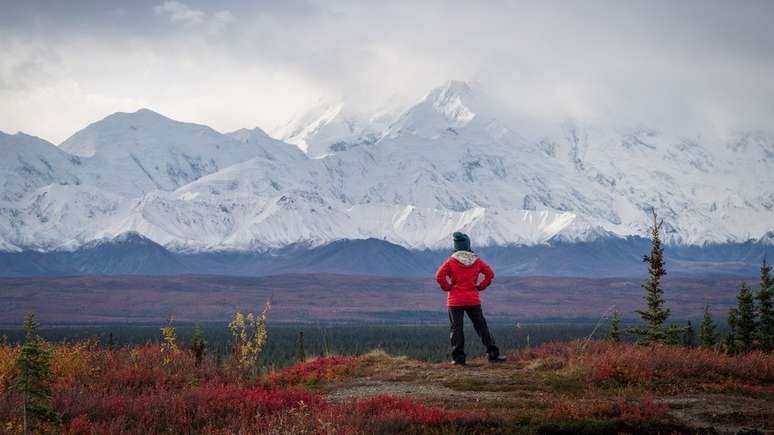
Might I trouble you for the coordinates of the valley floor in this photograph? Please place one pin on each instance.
(331, 297)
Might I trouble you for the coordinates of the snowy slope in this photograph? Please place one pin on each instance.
(248, 222)
(266, 146)
(28, 162)
(329, 127)
(133, 153)
(456, 160)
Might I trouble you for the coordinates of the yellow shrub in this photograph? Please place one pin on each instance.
(8, 356)
(169, 343)
(71, 361)
(250, 336)
(15, 425)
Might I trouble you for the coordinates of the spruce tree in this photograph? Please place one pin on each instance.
(300, 352)
(198, 345)
(707, 335)
(614, 334)
(745, 320)
(764, 333)
(33, 378)
(730, 341)
(654, 317)
(688, 335)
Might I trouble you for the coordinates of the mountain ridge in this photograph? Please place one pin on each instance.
(134, 254)
(456, 160)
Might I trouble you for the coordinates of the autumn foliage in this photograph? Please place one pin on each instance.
(139, 389)
(661, 368)
(321, 369)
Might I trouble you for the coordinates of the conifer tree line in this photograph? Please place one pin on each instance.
(750, 322)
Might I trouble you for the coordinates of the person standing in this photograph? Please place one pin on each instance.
(458, 276)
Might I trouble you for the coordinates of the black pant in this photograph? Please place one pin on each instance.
(457, 336)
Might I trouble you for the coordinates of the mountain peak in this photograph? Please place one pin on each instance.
(272, 149)
(331, 127)
(21, 140)
(249, 135)
(125, 130)
(454, 87)
(131, 237)
(19, 135)
(446, 108)
(139, 115)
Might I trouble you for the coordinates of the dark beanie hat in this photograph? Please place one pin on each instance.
(461, 241)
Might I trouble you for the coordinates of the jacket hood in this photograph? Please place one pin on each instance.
(467, 258)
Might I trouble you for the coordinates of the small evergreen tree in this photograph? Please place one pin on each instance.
(198, 345)
(730, 341)
(614, 334)
(110, 341)
(707, 335)
(764, 333)
(688, 335)
(654, 317)
(300, 352)
(745, 319)
(34, 377)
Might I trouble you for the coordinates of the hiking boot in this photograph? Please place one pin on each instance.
(497, 359)
(458, 362)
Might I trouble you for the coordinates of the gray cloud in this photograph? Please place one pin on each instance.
(180, 13)
(686, 65)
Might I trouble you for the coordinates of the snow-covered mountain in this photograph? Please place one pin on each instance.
(134, 153)
(329, 127)
(456, 160)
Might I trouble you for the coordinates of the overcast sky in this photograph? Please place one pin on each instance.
(233, 64)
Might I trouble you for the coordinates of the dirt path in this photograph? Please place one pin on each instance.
(723, 413)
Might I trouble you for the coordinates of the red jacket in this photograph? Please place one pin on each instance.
(459, 276)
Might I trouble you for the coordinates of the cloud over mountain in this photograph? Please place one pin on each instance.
(687, 66)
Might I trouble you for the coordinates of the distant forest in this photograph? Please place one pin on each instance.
(427, 342)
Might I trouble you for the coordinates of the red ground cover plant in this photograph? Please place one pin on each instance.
(660, 367)
(673, 365)
(631, 411)
(130, 390)
(390, 408)
(216, 408)
(322, 369)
